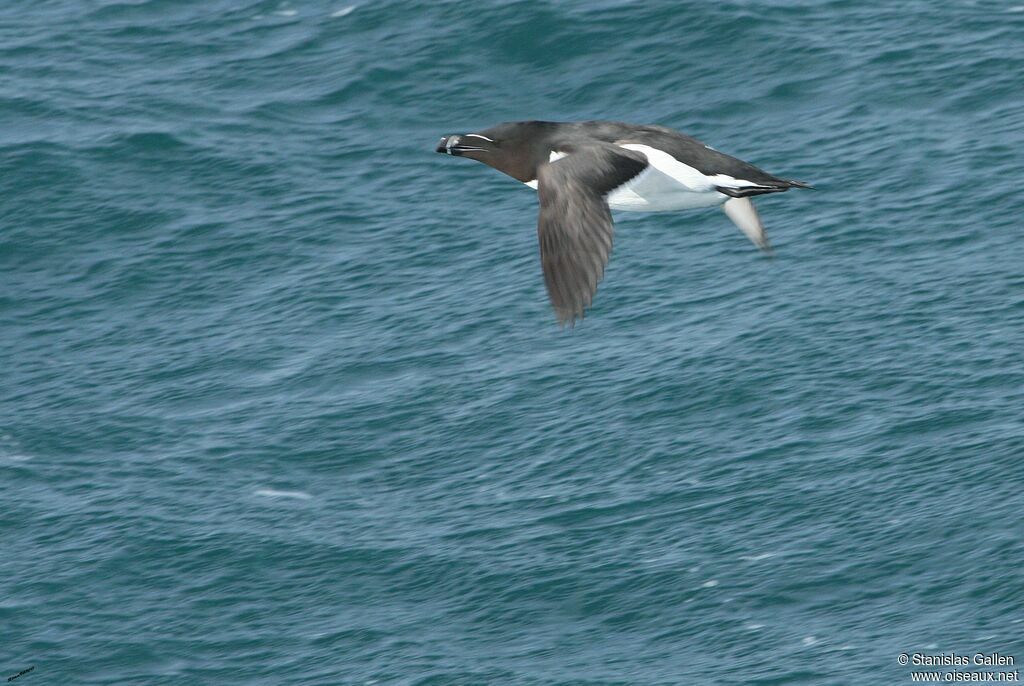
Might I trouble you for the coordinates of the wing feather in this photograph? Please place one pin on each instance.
(574, 228)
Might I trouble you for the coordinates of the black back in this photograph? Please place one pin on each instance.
(526, 145)
(686, 149)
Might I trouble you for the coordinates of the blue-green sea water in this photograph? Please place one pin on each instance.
(282, 399)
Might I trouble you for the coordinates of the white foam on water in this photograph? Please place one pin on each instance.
(710, 583)
(809, 640)
(754, 627)
(9, 452)
(274, 493)
(286, 13)
(755, 558)
(344, 11)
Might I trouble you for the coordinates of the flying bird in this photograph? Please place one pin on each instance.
(583, 170)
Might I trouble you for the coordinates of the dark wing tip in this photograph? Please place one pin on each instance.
(780, 186)
(571, 279)
(567, 317)
(749, 191)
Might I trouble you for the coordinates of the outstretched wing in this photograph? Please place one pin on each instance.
(575, 224)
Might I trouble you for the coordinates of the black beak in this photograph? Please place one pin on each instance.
(453, 145)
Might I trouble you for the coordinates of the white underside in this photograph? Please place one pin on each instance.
(668, 184)
(665, 185)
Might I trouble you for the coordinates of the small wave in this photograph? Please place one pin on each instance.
(343, 12)
(149, 141)
(274, 493)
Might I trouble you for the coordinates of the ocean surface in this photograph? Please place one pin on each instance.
(282, 399)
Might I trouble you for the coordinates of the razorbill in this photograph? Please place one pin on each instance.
(582, 170)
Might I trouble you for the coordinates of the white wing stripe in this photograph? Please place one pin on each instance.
(729, 182)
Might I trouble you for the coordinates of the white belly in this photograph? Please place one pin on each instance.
(666, 184)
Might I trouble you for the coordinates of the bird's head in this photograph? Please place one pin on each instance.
(515, 148)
